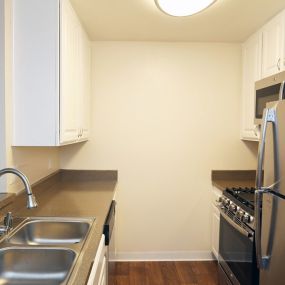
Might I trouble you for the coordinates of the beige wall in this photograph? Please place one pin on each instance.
(164, 115)
(36, 163)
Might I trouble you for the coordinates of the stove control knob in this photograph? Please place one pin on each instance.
(246, 218)
(226, 202)
(220, 200)
(240, 214)
(233, 207)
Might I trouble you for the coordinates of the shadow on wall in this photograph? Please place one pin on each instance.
(72, 151)
(252, 146)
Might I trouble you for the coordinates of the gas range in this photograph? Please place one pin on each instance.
(243, 197)
(238, 204)
(237, 262)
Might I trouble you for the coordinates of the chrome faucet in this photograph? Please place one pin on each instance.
(31, 199)
(8, 224)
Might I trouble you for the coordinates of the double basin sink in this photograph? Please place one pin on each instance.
(42, 251)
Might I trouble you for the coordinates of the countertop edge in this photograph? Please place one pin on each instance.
(222, 179)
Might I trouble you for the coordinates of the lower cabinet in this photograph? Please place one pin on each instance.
(98, 273)
(103, 275)
(216, 193)
(215, 231)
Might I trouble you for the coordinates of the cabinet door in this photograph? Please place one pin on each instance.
(103, 275)
(215, 230)
(85, 85)
(251, 59)
(273, 46)
(99, 264)
(69, 87)
(216, 194)
(35, 72)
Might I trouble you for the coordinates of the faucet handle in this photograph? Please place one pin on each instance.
(8, 220)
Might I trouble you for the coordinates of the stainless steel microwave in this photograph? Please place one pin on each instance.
(267, 90)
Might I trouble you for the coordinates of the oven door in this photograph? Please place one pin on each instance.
(236, 252)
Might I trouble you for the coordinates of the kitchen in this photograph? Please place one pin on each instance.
(165, 111)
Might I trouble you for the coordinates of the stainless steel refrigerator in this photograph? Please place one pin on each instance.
(270, 196)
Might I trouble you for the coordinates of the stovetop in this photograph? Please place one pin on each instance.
(243, 197)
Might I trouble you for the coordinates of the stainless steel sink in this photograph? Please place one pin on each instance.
(45, 266)
(42, 250)
(54, 231)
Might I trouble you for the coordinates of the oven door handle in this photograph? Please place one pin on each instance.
(241, 230)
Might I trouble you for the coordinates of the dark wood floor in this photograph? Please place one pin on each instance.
(165, 273)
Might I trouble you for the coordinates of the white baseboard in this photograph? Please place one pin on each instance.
(164, 256)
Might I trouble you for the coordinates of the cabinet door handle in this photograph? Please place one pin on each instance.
(278, 63)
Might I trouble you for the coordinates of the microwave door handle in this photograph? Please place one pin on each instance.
(269, 115)
(281, 91)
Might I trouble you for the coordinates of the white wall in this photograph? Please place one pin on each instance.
(36, 163)
(164, 115)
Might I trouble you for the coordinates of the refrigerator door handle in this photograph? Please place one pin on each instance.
(261, 260)
(261, 147)
(269, 116)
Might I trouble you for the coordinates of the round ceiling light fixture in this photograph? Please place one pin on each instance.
(182, 8)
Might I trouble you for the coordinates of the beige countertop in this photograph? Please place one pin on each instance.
(73, 194)
(233, 178)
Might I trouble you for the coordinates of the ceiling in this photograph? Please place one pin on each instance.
(140, 20)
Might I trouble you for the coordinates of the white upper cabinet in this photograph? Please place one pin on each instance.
(84, 106)
(273, 46)
(251, 59)
(263, 54)
(51, 74)
(69, 74)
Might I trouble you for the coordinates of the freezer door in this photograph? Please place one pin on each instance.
(273, 240)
